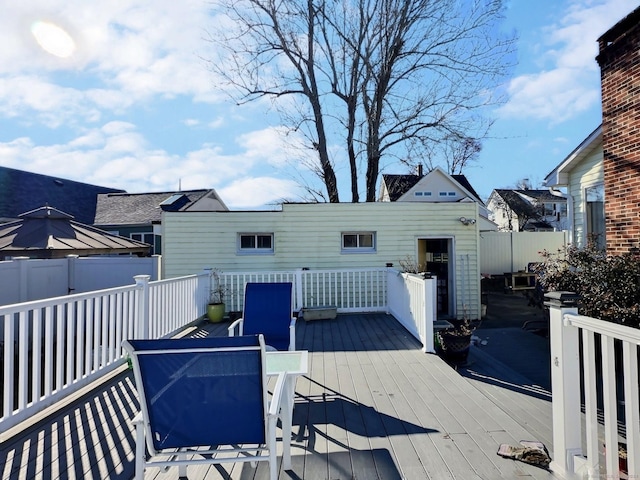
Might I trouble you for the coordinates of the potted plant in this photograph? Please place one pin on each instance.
(453, 344)
(216, 306)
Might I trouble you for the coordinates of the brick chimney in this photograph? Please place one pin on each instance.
(619, 60)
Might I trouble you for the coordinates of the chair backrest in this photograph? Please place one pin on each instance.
(201, 391)
(268, 308)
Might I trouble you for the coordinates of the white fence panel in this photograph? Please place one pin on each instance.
(502, 252)
(10, 282)
(24, 280)
(98, 273)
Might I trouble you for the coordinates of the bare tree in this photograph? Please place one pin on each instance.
(385, 78)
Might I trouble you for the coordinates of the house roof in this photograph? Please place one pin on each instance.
(398, 185)
(50, 233)
(22, 191)
(147, 208)
(559, 176)
(520, 205)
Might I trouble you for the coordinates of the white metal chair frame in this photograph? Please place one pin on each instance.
(228, 454)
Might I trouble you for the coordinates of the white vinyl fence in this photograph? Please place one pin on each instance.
(23, 279)
(600, 359)
(502, 252)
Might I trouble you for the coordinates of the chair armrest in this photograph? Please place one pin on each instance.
(238, 323)
(292, 334)
(277, 397)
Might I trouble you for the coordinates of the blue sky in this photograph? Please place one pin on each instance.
(136, 107)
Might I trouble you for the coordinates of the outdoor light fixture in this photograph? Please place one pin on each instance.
(467, 221)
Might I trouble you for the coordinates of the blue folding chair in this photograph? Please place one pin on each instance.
(268, 310)
(208, 394)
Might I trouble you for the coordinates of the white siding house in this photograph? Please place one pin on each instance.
(332, 236)
(437, 186)
(582, 174)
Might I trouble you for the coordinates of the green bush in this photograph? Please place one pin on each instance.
(608, 284)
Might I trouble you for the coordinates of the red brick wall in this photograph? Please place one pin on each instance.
(619, 61)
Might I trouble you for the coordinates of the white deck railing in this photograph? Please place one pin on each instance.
(412, 300)
(350, 290)
(600, 359)
(51, 348)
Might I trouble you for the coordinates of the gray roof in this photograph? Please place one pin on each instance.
(142, 208)
(22, 191)
(520, 206)
(398, 185)
(49, 233)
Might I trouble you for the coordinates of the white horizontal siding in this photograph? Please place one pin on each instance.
(587, 173)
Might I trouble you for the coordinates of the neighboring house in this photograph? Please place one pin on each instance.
(22, 192)
(139, 215)
(49, 233)
(528, 210)
(335, 235)
(436, 186)
(582, 174)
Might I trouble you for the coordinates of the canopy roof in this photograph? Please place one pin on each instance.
(49, 233)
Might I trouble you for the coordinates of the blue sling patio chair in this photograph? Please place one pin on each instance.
(205, 394)
(268, 310)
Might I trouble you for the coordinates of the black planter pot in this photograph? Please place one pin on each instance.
(454, 346)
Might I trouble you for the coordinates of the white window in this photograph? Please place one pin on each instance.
(358, 242)
(255, 243)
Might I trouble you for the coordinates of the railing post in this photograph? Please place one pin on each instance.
(431, 311)
(298, 286)
(142, 315)
(71, 273)
(565, 380)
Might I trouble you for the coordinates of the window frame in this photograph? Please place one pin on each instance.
(358, 248)
(256, 249)
(589, 218)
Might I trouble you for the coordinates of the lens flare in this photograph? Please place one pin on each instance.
(53, 39)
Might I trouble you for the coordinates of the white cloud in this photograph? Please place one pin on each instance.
(570, 84)
(127, 53)
(259, 191)
(118, 155)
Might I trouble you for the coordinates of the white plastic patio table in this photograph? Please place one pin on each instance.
(293, 364)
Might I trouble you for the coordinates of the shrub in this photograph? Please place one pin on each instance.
(608, 284)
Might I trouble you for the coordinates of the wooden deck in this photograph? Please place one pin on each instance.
(373, 407)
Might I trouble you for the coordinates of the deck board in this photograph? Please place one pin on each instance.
(373, 406)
